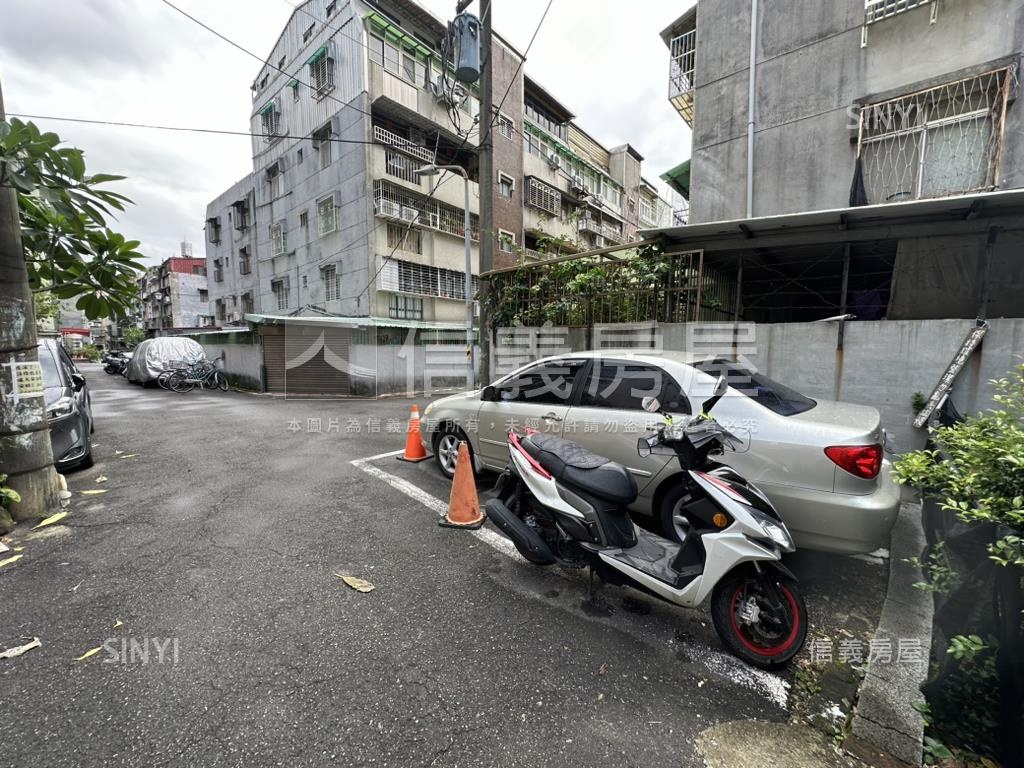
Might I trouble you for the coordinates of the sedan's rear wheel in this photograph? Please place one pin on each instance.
(446, 449)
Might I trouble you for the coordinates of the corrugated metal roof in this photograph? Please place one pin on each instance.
(353, 322)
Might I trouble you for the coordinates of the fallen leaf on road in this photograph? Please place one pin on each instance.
(19, 549)
(129, 456)
(51, 520)
(118, 623)
(90, 652)
(95, 492)
(118, 452)
(4, 548)
(75, 588)
(12, 653)
(9, 560)
(101, 479)
(603, 669)
(359, 585)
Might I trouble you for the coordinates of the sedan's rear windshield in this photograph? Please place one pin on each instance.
(758, 387)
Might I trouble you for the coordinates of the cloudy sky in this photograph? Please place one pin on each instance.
(140, 61)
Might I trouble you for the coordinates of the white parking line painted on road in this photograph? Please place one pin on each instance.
(486, 535)
(771, 686)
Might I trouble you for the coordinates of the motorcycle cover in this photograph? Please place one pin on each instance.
(154, 355)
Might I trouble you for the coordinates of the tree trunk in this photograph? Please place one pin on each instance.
(26, 455)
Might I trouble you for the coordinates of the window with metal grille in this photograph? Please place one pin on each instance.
(544, 196)
(941, 141)
(405, 239)
(278, 240)
(270, 121)
(506, 127)
(321, 75)
(405, 308)
(329, 276)
(392, 201)
(422, 279)
(326, 216)
(646, 210)
(247, 303)
(308, 33)
(506, 184)
(241, 213)
(244, 267)
(218, 271)
(402, 167)
(280, 290)
(213, 230)
(876, 10)
(507, 241)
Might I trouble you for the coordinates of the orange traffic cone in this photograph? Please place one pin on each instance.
(464, 506)
(414, 451)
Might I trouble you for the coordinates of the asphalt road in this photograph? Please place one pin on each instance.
(217, 540)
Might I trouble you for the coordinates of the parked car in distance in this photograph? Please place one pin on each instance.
(820, 462)
(68, 407)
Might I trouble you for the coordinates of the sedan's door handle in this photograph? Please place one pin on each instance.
(551, 417)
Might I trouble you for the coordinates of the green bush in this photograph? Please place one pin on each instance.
(90, 352)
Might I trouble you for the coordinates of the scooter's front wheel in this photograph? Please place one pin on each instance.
(761, 618)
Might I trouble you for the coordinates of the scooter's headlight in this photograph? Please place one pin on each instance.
(775, 531)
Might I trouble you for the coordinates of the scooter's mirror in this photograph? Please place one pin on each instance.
(645, 445)
(721, 387)
(650, 404)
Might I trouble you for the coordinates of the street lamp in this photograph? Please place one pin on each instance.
(434, 170)
(160, 308)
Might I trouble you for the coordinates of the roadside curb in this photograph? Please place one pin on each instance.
(887, 730)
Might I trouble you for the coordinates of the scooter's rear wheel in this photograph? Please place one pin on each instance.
(762, 619)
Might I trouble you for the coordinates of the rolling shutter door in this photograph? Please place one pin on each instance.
(307, 360)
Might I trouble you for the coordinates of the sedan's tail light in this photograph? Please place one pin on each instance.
(859, 460)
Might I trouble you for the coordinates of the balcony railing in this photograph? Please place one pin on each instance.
(681, 73)
(393, 202)
(384, 136)
(876, 10)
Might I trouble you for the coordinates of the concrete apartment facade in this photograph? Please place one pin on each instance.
(908, 108)
(334, 220)
(174, 295)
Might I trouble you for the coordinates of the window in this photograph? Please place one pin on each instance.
(241, 213)
(264, 81)
(326, 216)
(298, 157)
(933, 143)
(507, 241)
(646, 210)
(295, 89)
(274, 181)
(623, 386)
(270, 121)
(321, 73)
(331, 8)
(405, 239)
(401, 166)
(411, 277)
(544, 196)
(280, 63)
(405, 308)
(377, 50)
(308, 33)
(329, 276)
(219, 309)
(304, 219)
(198, 270)
(506, 127)
(278, 240)
(244, 267)
(550, 382)
(247, 304)
(392, 58)
(280, 290)
(204, 295)
(759, 388)
(322, 143)
(545, 119)
(218, 271)
(213, 229)
(506, 184)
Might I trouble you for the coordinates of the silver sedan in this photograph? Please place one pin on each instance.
(820, 462)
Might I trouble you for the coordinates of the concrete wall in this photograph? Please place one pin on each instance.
(811, 71)
(241, 362)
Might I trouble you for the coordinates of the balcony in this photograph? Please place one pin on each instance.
(399, 170)
(392, 201)
(415, 104)
(876, 10)
(681, 72)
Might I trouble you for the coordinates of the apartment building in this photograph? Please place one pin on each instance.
(336, 218)
(174, 296)
(859, 156)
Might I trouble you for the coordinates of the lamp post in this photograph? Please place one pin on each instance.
(160, 309)
(434, 170)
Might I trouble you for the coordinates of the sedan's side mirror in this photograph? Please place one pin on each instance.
(650, 404)
(490, 394)
(77, 381)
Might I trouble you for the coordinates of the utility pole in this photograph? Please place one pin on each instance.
(486, 164)
(26, 455)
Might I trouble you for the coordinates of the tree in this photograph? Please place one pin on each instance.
(132, 337)
(47, 307)
(53, 237)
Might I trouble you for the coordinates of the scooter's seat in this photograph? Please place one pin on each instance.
(574, 465)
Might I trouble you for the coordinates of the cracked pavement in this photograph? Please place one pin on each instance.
(224, 533)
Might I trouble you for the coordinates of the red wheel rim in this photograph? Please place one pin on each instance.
(762, 650)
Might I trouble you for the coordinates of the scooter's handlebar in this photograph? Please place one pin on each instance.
(699, 432)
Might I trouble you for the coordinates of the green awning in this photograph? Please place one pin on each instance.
(270, 106)
(318, 54)
(293, 83)
(399, 35)
(679, 178)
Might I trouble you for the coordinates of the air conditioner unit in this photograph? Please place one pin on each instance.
(409, 214)
(554, 161)
(599, 242)
(389, 208)
(576, 184)
(597, 200)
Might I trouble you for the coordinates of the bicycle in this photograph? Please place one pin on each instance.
(204, 373)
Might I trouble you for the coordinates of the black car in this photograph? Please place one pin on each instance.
(68, 407)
